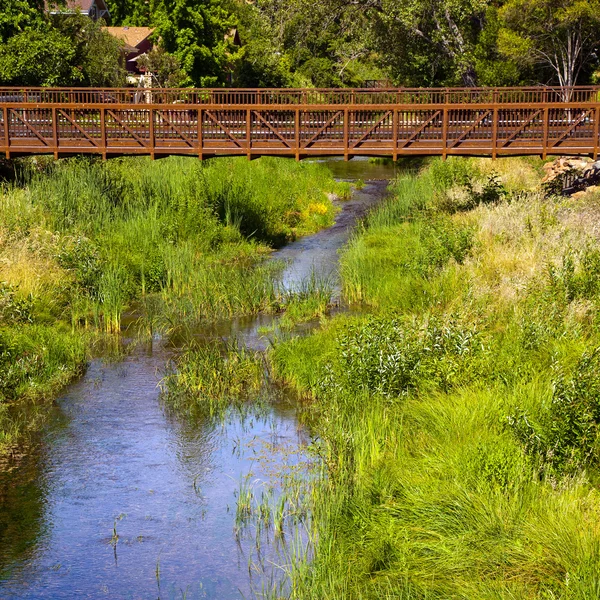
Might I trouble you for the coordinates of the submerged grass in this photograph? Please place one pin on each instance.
(458, 415)
(210, 377)
(84, 242)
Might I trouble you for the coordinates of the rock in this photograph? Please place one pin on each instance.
(578, 195)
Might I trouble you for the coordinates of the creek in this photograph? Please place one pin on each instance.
(120, 498)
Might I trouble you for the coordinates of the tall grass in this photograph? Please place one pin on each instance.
(458, 414)
(131, 227)
(211, 377)
(83, 241)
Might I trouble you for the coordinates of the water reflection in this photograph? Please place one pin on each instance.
(121, 499)
(131, 503)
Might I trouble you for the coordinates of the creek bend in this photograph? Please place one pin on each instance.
(122, 499)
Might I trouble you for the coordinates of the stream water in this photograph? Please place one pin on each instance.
(121, 499)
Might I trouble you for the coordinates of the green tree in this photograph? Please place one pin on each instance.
(322, 43)
(192, 30)
(98, 56)
(560, 36)
(491, 66)
(443, 33)
(416, 41)
(164, 67)
(17, 16)
(67, 50)
(261, 62)
(38, 57)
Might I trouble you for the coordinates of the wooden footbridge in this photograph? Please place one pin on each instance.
(300, 123)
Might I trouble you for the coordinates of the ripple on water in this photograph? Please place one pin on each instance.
(121, 499)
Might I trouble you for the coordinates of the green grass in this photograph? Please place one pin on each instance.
(208, 378)
(177, 241)
(458, 412)
(35, 361)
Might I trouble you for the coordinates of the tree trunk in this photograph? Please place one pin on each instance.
(469, 77)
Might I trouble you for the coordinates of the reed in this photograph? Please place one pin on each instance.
(82, 242)
(455, 413)
(210, 377)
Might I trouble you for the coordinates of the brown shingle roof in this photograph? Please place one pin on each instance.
(132, 36)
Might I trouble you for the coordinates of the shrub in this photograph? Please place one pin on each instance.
(80, 255)
(392, 358)
(452, 172)
(576, 276)
(565, 436)
(14, 308)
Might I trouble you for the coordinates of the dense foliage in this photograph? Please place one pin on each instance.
(181, 241)
(306, 43)
(458, 412)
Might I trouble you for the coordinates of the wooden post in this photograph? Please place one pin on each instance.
(249, 133)
(346, 133)
(445, 132)
(395, 135)
(546, 126)
(151, 131)
(200, 137)
(55, 133)
(495, 126)
(6, 133)
(297, 134)
(596, 131)
(495, 133)
(103, 131)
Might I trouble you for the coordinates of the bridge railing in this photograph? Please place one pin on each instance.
(300, 97)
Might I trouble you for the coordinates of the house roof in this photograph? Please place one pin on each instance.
(82, 5)
(234, 36)
(132, 36)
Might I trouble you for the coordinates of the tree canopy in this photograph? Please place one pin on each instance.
(560, 36)
(323, 43)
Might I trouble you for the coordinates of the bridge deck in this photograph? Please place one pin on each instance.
(299, 123)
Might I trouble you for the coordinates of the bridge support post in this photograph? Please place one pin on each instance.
(151, 131)
(200, 138)
(445, 132)
(55, 132)
(249, 133)
(495, 133)
(395, 135)
(297, 125)
(346, 134)
(596, 131)
(103, 131)
(545, 140)
(6, 132)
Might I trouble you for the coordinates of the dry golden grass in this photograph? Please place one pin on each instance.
(517, 241)
(28, 264)
(517, 174)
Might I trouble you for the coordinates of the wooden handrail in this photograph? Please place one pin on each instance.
(298, 97)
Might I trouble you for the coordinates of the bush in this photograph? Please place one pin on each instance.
(446, 174)
(576, 276)
(392, 358)
(565, 436)
(35, 360)
(14, 308)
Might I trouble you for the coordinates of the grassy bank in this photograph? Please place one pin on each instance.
(458, 415)
(83, 242)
